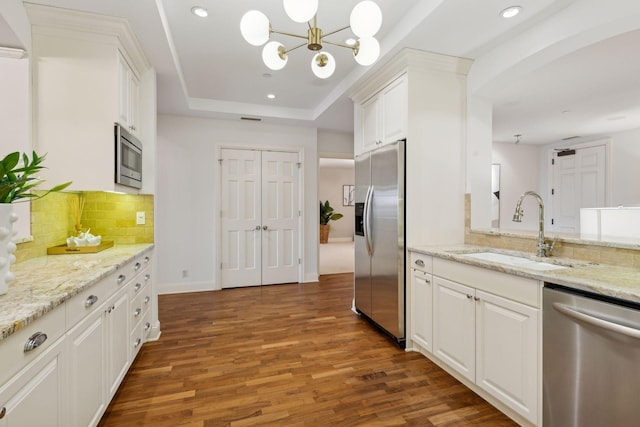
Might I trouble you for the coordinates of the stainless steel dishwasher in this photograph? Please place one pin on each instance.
(591, 359)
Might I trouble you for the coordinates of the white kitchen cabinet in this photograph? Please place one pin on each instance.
(486, 327)
(421, 301)
(87, 75)
(384, 116)
(129, 94)
(87, 353)
(117, 333)
(454, 332)
(507, 352)
(35, 396)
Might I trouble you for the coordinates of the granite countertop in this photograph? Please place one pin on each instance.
(46, 282)
(610, 280)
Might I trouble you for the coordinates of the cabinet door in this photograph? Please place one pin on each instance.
(394, 111)
(86, 388)
(117, 326)
(422, 309)
(454, 332)
(35, 396)
(134, 100)
(507, 352)
(370, 124)
(124, 89)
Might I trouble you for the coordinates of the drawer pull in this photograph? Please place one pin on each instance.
(147, 326)
(35, 341)
(420, 263)
(147, 277)
(137, 287)
(137, 343)
(137, 266)
(92, 299)
(121, 278)
(146, 260)
(137, 312)
(147, 299)
(469, 296)
(3, 412)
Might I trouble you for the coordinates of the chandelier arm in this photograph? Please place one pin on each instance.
(337, 44)
(336, 31)
(289, 34)
(295, 47)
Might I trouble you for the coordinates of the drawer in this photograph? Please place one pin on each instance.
(12, 349)
(421, 262)
(136, 308)
(88, 301)
(136, 340)
(516, 288)
(130, 270)
(146, 326)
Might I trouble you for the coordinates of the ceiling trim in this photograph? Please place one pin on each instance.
(230, 107)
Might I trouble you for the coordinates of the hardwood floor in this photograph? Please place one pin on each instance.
(285, 355)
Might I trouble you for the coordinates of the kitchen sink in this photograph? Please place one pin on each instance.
(514, 261)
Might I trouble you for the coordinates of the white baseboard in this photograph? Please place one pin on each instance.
(182, 288)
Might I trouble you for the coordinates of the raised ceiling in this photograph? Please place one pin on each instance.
(205, 68)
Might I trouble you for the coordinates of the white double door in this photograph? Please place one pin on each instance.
(260, 217)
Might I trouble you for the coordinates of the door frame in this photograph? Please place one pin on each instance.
(608, 177)
(218, 203)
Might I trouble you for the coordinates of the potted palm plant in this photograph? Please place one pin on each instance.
(16, 182)
(327, 214)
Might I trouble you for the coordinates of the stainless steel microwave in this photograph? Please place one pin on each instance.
(128, 158)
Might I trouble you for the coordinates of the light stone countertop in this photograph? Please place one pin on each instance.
(609, 280)
(46, 282)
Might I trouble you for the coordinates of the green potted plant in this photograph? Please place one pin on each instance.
(327, 214)
(16, 182)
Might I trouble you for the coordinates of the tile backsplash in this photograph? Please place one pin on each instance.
(111, 215)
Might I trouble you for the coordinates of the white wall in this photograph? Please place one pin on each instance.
(335, 144)
(186, 195)
(625, 170)
(330, 182)
(519, 170)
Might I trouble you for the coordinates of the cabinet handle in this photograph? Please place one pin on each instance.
(147, 326)
(147, 277)
(110, 309)
(137, 287)
(427, 281)
(137, 266)
(469, 296)
(146, 260)
(147, 299)
(137, 343)
(121, 278)
(3, 412)
(137, 312)
(35, 341)
(92, 299)
(264, 227)
(420, 263)
(476, 298)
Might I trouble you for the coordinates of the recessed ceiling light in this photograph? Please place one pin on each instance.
(350, 41)
(511, 11)
(271, 96)
(199, 11)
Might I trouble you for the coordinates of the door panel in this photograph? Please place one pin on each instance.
(280, 216)
(362, 264)
(259, 217)
(578, 182)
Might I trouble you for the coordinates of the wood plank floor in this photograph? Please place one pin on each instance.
(285, 355)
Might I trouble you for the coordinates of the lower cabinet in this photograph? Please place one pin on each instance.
(35, 396)
(490, 340)
(117, 333)
(421, 313)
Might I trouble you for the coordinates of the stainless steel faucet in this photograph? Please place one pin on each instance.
(544, 249)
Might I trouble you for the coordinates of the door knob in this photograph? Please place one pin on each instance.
(264, 227)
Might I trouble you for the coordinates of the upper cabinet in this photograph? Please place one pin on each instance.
(383, 116)
(89, 72)
(128, 96)
(421, 97)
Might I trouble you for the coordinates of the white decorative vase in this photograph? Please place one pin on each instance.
(7, 246)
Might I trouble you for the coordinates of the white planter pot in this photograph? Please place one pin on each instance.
(7, 246)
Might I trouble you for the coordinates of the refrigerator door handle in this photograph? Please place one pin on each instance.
(367, 220)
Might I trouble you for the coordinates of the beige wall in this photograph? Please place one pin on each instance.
(330, 182)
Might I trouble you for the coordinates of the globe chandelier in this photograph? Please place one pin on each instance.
(365, 21)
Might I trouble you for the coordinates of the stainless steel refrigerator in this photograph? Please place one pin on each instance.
(380, 238)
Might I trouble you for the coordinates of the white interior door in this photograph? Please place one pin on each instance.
(259, 217)
(280, 217)
(241, 225)
(579, 181)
